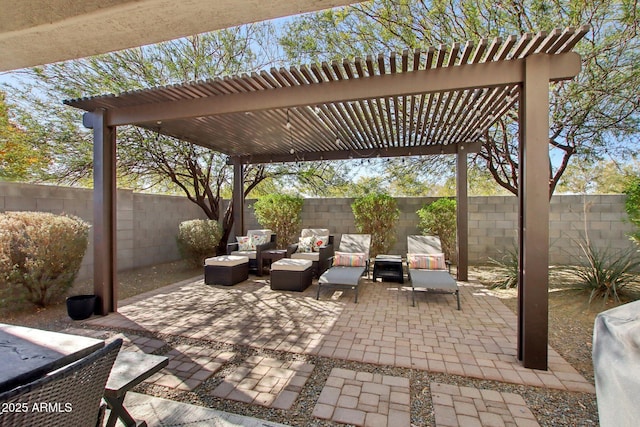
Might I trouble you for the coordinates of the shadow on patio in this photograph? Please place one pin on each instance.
(282, 328)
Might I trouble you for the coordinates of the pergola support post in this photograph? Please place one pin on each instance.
(238, 197)
(104, 212)
(533, 298)
(462, 215)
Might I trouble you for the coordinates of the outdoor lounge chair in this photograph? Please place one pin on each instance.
(318, 249)
(350, 262)
(77, 387)
(246, 246)
(428, 268)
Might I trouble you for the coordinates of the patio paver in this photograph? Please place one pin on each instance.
(130, 342)
(364, 399)
(265, 381)
(382, 328)
(468, 406)
(189, 366)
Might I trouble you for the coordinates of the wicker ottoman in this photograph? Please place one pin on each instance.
(226, 270)
(291, 274)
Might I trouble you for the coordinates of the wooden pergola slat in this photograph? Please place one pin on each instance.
(435, 101)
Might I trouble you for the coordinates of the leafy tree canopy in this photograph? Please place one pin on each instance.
(593, 116)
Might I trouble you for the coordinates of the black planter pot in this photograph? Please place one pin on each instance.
(81, 307)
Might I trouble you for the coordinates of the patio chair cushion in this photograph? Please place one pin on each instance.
(227, 260)
(310, 232)
(427, 261)
(259, 239)
(244, 243)
(289, 264)
(312, 256)
(320, 241)
(305, 244)
(349, 259)
(248, 254)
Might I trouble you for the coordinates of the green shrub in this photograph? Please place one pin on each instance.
(198, 239)
(439, 219)
(377, 214)
(508, 266)
(604, 272)
(632, 206)
(282, 214)
(41, 253)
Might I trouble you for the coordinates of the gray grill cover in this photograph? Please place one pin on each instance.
(616, 362)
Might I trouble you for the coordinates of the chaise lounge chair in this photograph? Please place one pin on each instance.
(350, 262)
(428, 268)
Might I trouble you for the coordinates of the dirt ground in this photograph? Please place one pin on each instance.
(570, 315)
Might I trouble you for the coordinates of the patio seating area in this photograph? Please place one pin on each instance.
(260, 350)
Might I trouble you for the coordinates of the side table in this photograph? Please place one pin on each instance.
(388, 267)
(271, 255)
(129, 370)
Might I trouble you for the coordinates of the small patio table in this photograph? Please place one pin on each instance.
(27, 353)
(271, 256)
(129, 370)
(388, 267)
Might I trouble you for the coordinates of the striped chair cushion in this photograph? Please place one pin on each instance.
(427, 261)
(349, 259)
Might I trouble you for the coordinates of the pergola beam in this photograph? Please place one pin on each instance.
(469, 76)
(420, 150)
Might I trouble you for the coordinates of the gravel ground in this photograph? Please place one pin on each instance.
(571, 328)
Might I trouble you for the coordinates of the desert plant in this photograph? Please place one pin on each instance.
(605, 272)
(632, 206)
(508, 264)
(198, 239)
(439, 219)
(377, 214)
(282, 214)
(41, 253)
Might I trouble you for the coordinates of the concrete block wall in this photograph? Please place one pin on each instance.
(146, 224)
(493, 223)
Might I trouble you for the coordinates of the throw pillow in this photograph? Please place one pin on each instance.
(427, 261)
(244, 243)
(259, 239)
(305, 244)
(349, 259)
(319, 242)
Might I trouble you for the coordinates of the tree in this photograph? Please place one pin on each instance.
(145, 159)
(594, 115)
(19, 157)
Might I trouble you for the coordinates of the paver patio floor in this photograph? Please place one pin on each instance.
(478, 341)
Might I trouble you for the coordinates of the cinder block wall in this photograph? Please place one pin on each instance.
(493, 223)
(147, 224)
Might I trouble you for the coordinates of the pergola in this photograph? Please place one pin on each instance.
(441, 100)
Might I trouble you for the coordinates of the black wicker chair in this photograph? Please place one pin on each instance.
(75, 391)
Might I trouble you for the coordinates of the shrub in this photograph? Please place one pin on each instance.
(605, 273)
(377, 214)
(198, 239)
(508, 266)
(632, 206)
(439, 219)
(282, 214)
(41, 253)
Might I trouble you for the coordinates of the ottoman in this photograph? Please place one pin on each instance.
(226, 270)
(291, 274)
